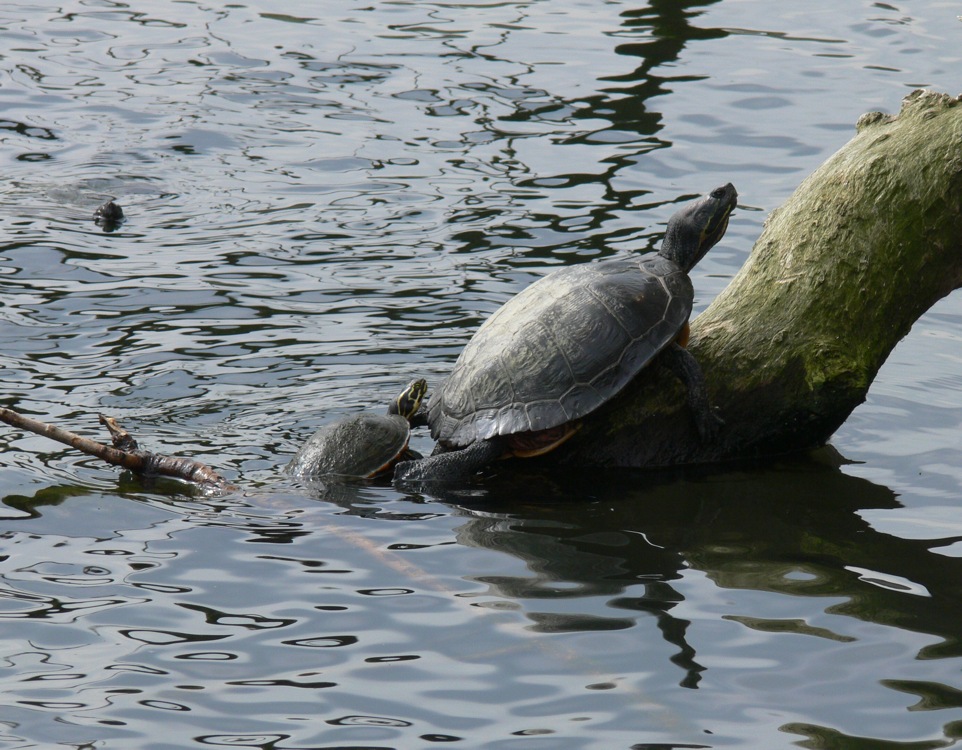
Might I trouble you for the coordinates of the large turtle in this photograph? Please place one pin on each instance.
(364, 445)
(568, 344)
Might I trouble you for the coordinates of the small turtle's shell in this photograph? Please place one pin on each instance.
(360, 446)
(561, 348)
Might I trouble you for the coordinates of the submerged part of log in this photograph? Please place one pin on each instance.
(125, 452)
(840, 273)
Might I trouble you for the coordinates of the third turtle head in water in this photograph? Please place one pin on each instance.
(109, 216)
(568, 344)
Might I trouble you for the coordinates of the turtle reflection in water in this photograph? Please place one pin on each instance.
(365, 445)
(568, 344)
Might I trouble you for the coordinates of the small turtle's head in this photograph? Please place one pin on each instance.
(695, 228)
(108, 216)
(409, 400)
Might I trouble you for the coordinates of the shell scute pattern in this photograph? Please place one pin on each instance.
(561, 348)
(359, 446)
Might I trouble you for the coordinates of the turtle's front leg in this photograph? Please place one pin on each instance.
(446, 467)
(684, 365)
(420, 419)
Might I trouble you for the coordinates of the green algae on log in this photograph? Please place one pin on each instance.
(841, 272)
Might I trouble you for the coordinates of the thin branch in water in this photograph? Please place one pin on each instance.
(124, 452)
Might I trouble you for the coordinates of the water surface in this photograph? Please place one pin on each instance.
(324, 201)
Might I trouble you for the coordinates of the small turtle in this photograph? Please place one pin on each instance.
(364, 445)
(109, 215)
(568, 344)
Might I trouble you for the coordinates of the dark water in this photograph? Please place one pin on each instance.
(324, 200)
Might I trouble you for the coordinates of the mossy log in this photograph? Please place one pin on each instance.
(839, 275)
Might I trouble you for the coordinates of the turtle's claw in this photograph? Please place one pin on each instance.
(405, 471)
(710, 426)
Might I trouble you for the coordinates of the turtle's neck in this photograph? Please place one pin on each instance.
(679, 245)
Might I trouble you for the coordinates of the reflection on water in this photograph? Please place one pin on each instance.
(764, 585)
(321, 206)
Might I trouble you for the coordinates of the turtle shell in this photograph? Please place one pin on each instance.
(561, 348)
(361, 446)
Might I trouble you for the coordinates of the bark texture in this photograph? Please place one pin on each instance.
(841, 271)
(125, 452)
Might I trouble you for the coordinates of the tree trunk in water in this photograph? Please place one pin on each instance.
(860, 251)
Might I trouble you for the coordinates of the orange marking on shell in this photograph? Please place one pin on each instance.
(529, 444)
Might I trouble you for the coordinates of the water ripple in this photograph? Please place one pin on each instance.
(321, 206)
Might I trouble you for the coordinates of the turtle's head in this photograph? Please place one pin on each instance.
(694, 229)
(409, 400)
